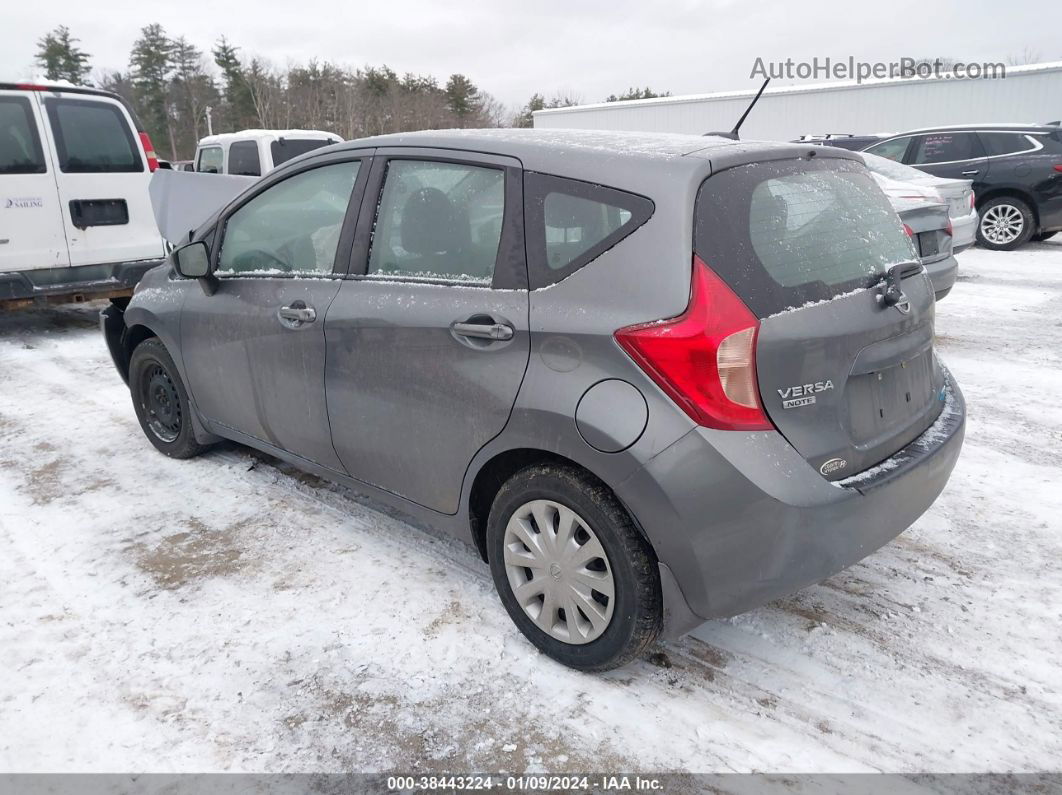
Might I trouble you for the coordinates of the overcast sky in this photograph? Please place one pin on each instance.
(587, 49)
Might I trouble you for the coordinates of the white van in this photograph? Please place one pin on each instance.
(252, 153)
(75, 215)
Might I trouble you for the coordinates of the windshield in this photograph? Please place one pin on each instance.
(791, 232)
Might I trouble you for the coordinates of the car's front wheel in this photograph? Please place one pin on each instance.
(1005, 224)
(161, 401)
(572, 569)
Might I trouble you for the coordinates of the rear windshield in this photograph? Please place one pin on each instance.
(287, 148)
(791, 232)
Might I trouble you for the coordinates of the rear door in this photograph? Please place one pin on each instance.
(31, 226)
(428, 343)
(103, 180)
(957, 155)
(254, 350)
(847, 379)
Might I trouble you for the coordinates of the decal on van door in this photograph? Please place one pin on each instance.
(23, 202)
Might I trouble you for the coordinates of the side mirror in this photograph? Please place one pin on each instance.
(193, 260)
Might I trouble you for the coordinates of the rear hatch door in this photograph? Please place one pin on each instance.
(846, 376)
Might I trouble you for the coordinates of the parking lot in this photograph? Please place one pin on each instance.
(229, 613)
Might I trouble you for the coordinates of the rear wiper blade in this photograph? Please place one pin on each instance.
(893, 294)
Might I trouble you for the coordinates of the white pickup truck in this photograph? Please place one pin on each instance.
(75, 216)
(252, 153)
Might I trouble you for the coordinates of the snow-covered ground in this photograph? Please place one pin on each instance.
(228, 613)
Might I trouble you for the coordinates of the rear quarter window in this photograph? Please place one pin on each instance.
(20, 142)
(92, 137)
(570, 223)
(1003, 143)
(787, 233)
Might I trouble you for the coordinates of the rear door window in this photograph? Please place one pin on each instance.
(244, 160)
(947, 147)
(20, 142)
(439, 221)
(286, 148)
(571, 223)
(92, 137)
(787, 233)
(210, 160)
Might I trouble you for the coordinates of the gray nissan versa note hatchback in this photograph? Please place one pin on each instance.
(653, 379)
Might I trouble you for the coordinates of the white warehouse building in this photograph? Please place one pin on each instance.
(1028, 94)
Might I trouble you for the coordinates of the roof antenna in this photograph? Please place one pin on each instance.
(733, 134)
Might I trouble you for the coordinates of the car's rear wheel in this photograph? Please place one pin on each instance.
(1005, 224)
(161, 401)
(1042, 236)
(572, 570)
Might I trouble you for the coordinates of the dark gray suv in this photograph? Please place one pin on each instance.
(652, 379)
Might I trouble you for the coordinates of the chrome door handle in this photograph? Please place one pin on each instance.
(484, 331)
(971, 173)
(297, 314)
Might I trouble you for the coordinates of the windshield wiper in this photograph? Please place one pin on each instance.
(893, 294)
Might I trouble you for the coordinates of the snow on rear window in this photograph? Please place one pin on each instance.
(788, 233)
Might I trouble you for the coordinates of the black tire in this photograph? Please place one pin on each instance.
(1028, 222)
(1042, 236)
(637, 612)
(161, 401)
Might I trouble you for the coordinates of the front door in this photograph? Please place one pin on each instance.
(428, 345)
(254, 350)
(31, 224)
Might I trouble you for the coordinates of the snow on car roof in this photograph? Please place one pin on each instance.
(247, 135)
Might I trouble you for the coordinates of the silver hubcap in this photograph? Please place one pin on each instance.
(558, 571)
(1002, 224)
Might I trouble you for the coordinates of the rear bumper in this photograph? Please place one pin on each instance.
(963, 232)
(49, 284)
(741, 519)
(112, 324)
(943, 274)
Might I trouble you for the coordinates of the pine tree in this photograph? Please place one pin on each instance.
(525, 117)
(462, 97)
(239, 110)
(636, 93)
(151, 65)
(191, 91)
(60, 57)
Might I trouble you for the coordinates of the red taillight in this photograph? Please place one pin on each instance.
(973, 197)
(1058, 166)
(704, 359)
(948, 229)
(149, 150)
(908, 230)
